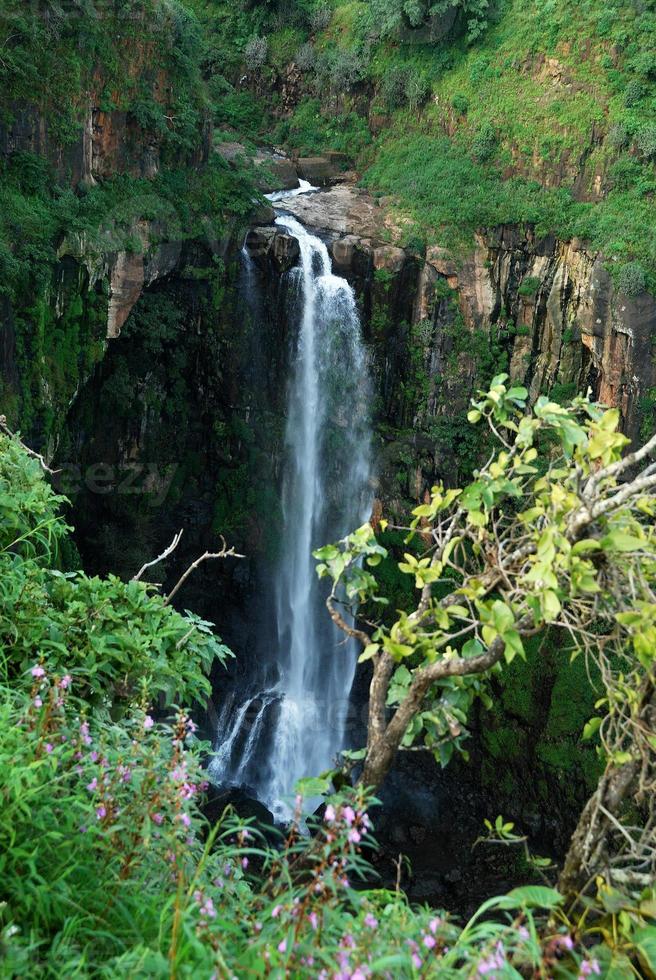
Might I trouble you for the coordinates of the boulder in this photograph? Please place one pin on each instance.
(275, 173)
(269, 244)
(318, 170)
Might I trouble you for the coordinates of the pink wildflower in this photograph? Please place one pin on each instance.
(38, 672)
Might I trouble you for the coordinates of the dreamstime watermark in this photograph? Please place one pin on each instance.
(150, 480)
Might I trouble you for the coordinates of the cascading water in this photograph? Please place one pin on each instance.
(295, 726)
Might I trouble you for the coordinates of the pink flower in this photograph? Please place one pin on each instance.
(434, 925)
(101, 812)
(349, 815)
(588, 967)
(329, 814)
(38, 703)
(185, 819)
(93, 785)
(354, 836)
(244, 863)
(148, 722)
(429, 942)
(314, 919)
(523, 932)
(416, 960)
(371, 921)
(275, 912)
(38, 672)
(158, 819)
(282, 946)
(49, 747)
(65, 682)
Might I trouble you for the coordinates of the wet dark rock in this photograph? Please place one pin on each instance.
(318, 170)
(268, 245)
(242, 801)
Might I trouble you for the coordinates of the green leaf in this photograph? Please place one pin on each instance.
(531, 897)
(591, 728)
(550, 606)
(620, 541)
(369, 652)
(313, 786)
(645, 941)
(502, 616)
(472, 648)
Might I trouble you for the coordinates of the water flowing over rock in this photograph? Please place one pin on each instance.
(294, 725)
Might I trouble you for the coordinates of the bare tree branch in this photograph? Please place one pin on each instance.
(149, 564)
(224, 553)
(30, 452)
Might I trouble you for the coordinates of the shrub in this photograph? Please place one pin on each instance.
(460, 104)
(529, 286)
(255, 53)
(338, 71)
(646, 140)
(417, 90)
(632, 279)
(305, 57)
(633, 92)
(392, 89)
(484, 143)
(618, 136)
(321, 18)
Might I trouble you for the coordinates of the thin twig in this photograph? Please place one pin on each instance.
(149, 564)
(30, 452)
(224, 553)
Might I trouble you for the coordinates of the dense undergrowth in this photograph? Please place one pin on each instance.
(107, 866)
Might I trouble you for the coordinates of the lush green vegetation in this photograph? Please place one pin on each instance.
(538, 112)
(108, 867)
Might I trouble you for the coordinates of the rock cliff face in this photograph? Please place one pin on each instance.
(552, 306)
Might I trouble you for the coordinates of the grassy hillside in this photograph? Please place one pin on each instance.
(548, 115)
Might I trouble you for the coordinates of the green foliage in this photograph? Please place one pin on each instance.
(311, 130)
(42, 65)
(529, 286)
(133, 641)
(484, 143)
(470, 608)
(390, 16)
(632, 279)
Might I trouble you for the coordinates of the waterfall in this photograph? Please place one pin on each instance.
(300, 721)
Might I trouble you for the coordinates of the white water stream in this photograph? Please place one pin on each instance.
(296, 727)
